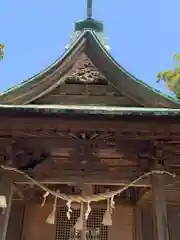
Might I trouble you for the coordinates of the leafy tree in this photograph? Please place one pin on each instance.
(1, 51)
(171, 77)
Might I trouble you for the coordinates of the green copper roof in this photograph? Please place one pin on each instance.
(93, 30)
(95, 37)
(141, 82)
(91, 110)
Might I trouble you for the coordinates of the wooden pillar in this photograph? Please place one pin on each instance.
(138, 222)
(161, 229)
(6, 189)
(86, 190)
(83, 231)
(16, 220)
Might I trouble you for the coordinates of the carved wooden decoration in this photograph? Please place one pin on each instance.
(87, 73)
(93, 149)
(23, 159)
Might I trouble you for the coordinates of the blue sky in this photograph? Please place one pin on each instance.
(143, 35)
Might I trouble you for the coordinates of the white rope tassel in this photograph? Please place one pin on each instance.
(88, 210)
(44, 199)
(69, 211)
(52, 215)
(79, 223)
(112, 205)
(107, 218)
(3, 202)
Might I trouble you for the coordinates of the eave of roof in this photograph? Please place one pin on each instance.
(131, 76)
(46, 70)
(89, 110)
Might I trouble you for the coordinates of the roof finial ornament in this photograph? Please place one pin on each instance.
(89, 9)
(90, 24)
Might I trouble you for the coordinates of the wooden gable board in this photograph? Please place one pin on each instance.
(86, 85)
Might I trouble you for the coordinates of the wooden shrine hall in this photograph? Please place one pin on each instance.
(87, 151)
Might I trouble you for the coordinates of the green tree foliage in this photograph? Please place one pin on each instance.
(1, 51)
(172, 77)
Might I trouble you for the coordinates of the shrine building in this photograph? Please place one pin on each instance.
(88, 151)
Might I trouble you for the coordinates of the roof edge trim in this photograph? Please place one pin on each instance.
(48, 68)
(170, 98)
(69, 109)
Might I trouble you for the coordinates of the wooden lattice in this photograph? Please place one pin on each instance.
(95, 230)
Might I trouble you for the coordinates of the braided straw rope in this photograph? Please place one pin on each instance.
(86, 199)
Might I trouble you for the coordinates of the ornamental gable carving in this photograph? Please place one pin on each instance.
(87, 73)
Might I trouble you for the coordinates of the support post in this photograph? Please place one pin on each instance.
(138, 222)
(161, 229)
(83, 231)
(87, 189)
(6, 189)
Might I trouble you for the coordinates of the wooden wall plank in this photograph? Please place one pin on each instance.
(123, 223)
(174, 221)
(15, 226)
(159, 202)
(96, 90)
(147, 222)
(86, 100)
(35, 226)
(6, 189)
(138, 222)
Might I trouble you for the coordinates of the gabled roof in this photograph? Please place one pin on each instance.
(89, 43)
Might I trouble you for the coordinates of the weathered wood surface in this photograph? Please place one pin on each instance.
(63, 150)
(6, 189)
(138, 223)
(55, 150)
(15, 225)
(161, 227)
(85, 100)
(125, 124)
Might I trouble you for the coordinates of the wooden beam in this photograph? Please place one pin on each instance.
(85, 99)
(22, 123)
(159, 202)
(45, 142)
